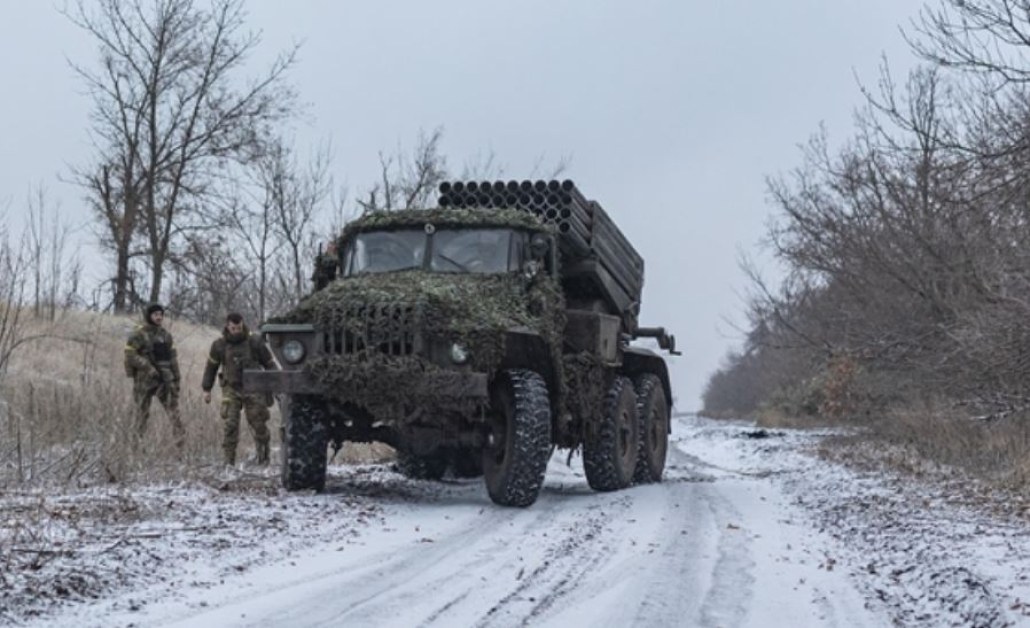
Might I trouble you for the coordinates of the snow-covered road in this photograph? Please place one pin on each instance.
(701, 549)
(730, 538)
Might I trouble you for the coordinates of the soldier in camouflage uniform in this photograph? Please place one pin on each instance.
(326, 266)
(234, 352)
(152, 362)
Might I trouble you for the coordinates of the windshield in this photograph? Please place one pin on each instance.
(471, 251)
(452, 251)
(384, 251)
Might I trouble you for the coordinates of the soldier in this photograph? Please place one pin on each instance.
(326, 265)
(235, 351)
(153, 364)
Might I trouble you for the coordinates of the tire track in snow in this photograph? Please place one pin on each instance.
(683, 566)
(400, 586)
(475, 568)
(679, 552)
(566, 566)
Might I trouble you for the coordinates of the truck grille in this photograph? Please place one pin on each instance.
(389, 329)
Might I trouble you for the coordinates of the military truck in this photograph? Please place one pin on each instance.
(478, 336)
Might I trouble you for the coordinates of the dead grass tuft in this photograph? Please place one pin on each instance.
(66, 406)
(773, 418)
(933, 440)
(365, 453)
(66, 412)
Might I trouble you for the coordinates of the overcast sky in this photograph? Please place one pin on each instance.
(671, 113)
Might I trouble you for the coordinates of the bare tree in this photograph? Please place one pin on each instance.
(981, 37)
(295, 194)
(341, 210)
(169, 117)
(212, 279)
(14, 267)
(253, 227)
(908, 248)
(883, 255)
(262, 236)
(55, 274)
(411, 181)
(408, 182)
(907, 258)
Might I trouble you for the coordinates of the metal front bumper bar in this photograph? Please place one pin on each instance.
(446, 384)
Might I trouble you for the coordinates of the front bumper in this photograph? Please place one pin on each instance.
(447, 384)
(291, 382)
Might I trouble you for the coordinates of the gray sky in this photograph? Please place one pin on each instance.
(672, 113)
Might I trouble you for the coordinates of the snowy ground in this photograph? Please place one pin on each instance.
(750, 528)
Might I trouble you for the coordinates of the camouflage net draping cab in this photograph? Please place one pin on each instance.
(472, 309)
(447, 217)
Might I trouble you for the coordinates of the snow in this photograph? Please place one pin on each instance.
(749, 528)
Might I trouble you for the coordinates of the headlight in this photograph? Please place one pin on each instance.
(293, 351)
(459, 355)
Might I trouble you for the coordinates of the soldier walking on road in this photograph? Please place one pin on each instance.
(152, 362)
(234, 352)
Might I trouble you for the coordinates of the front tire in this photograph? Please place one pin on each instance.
(610, 453)
(305, 441)
(653, 411)
(515, 458)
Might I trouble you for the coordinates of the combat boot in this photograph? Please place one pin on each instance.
(262, 453)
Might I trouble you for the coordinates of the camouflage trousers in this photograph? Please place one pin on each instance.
(144, 392)
(233, 403)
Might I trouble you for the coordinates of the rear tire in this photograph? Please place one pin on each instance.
(653, 411)
(610, 453)
(428, 467)
(305, 440)
(515, 458)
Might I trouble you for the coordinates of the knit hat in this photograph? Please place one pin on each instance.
(153, 307)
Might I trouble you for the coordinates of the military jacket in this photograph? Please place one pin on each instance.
(234, 355)
(151, 346)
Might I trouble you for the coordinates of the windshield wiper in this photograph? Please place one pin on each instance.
(457, 265)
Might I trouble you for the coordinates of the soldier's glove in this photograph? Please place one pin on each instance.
(167, 377)
(152, 375)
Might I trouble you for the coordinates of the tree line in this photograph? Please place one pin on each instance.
(907, 248)
(198, 193)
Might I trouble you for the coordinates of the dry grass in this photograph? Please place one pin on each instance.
(915, 439)
(934, 443)
(997, 451)
(66, 410)
(66, 406)
(771, 418)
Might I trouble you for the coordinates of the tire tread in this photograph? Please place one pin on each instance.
(600, 453)
(305, 440)
(522, 480)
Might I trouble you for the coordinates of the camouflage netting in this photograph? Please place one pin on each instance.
(474, 310)
(471, 309)
(441, 217)
(373, 384)
(586, 381)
